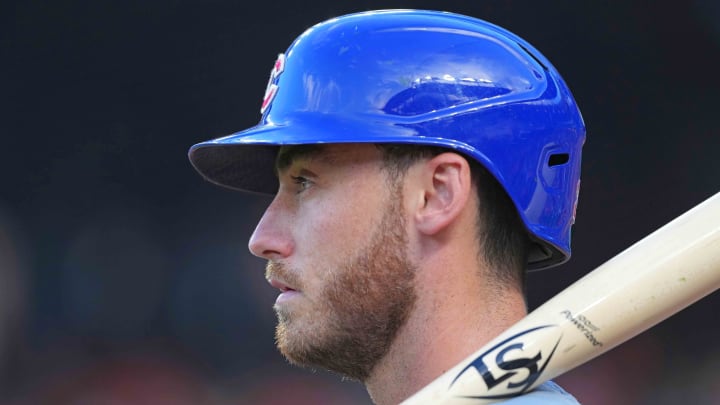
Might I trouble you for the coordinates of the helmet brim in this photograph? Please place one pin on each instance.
(245, 160)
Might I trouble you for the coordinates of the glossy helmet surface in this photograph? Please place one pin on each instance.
(421, 77)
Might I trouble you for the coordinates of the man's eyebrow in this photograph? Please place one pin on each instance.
(290, 153)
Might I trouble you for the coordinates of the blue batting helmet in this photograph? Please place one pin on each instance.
(421, 77)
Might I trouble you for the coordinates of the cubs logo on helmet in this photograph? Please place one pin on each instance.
(272, 86)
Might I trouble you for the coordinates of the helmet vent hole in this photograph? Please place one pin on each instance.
(557, 159)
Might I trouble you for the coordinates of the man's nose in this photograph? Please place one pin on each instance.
(271, 239)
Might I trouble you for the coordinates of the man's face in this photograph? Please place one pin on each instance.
(335, 240)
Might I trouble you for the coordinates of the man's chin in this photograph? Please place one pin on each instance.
(291, 346)
(291, 342)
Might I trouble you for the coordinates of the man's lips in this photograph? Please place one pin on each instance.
(286, 292)
(280, 285)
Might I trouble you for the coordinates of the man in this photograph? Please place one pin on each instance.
(425, 161)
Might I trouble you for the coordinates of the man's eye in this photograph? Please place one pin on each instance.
(302, 182)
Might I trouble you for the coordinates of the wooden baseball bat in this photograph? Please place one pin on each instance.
(653, 279)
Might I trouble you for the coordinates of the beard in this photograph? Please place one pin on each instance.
(360, 309)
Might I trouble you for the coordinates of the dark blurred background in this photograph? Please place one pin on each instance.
(125, 278)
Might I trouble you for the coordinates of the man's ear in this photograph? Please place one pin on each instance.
(446, 189)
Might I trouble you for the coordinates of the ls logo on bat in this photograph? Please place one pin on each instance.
(510, 367)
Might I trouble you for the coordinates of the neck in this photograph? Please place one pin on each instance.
(456, 314)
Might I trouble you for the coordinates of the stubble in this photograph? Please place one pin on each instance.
(361, 309)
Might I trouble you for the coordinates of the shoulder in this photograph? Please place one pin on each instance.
(547, 393)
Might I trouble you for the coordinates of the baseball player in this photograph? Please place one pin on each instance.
(421, 162)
